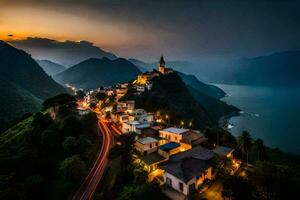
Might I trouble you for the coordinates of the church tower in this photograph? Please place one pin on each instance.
(161, 65)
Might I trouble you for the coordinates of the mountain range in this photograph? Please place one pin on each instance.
(94, 72)
(66, 53)
(23, 84)
(278, 69)
(50, 67)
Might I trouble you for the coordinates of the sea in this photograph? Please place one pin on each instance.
(269, 113)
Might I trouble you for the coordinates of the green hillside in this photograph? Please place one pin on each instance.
(45, 159)
(23, 84)
(15, 102)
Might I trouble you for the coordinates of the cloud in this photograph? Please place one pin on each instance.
(64, 52)
(180, 29)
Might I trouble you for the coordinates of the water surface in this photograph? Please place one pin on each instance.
(271, 113)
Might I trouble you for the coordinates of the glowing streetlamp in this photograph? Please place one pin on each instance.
(182, 123)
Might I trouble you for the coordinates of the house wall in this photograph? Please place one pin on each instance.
(175, 183)
(185, 191)
(146, 147)
(170, 136)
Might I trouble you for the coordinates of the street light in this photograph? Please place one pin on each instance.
(182, 123)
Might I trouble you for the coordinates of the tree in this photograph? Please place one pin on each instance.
(101, 96)
(245, 143)
(80, 94)
(69, 144)
(144, 191)
(72, 169)
(275, 182)
(237, 188)
(59, 100)
(93, 105)
(260, 149)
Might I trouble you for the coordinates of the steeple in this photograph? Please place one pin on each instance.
(162, 61)
(161, 66)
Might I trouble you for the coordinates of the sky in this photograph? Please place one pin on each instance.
(178, 29)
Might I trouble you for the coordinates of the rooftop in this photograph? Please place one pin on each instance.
(193, 137)
(222, 151)
(169, 146)
(175, 130)
(186, 168)
(147, 140)
(152, 158)
(196, 152)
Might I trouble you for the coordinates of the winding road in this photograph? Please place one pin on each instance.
(89, 186)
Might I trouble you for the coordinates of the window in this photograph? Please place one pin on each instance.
(150, 145)
(181, 186)
(175, 138)
(169, 181)
(156, 143)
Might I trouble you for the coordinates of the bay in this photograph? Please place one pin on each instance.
(269, 113)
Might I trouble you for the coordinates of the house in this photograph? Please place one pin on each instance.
(193, 138)
(187, 174)
(223, 151)
(187, 170)
(126, 106)
(147, 132)
(120, 92)
(132, 126)
(172, 134)
(140, 88)
(151, 161)
(146, 145)
(181, 135)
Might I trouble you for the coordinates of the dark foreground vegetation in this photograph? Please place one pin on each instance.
(47, 155)
(271, 173)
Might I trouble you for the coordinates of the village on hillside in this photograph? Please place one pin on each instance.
(174, 155)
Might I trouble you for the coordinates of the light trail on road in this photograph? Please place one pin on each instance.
(89, 186)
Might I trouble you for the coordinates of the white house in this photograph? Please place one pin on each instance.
(126, 106)
(186, 171)
(146, 145)
(140, 88)
(131, 126)
(172, 134)
(186, 136)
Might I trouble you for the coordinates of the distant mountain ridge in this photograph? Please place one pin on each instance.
(66, 53)
(278, 69)
(24, 84)
(51, 68)
(94, 72)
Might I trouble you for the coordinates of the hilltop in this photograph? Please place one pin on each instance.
(94, 72)
(190, 80)
(170, 95)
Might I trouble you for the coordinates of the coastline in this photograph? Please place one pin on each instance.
(224, 120)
